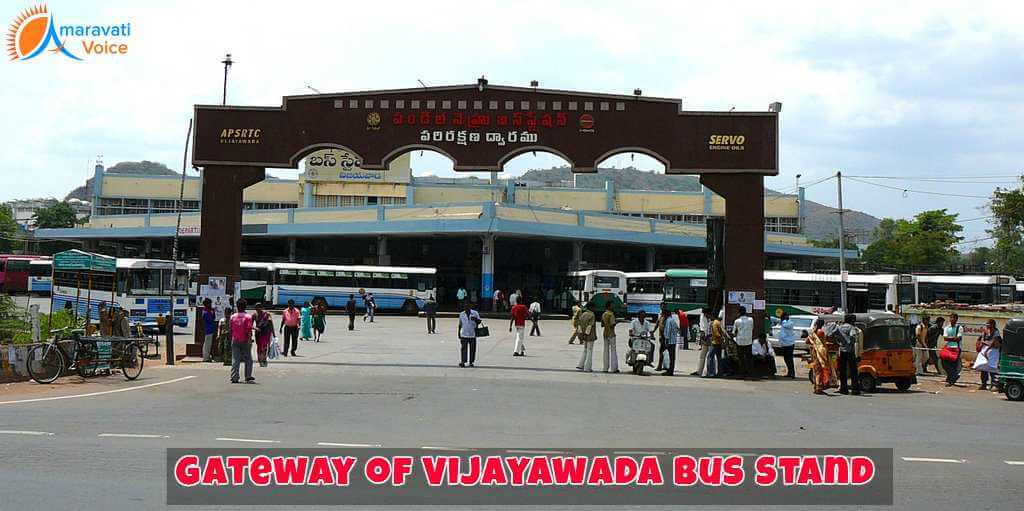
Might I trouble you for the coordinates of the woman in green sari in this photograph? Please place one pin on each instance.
(306, 332)
(319, 320)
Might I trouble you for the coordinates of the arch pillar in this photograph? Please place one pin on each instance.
(744, 236)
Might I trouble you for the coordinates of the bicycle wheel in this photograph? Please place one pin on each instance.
(45, 363)
(131, 361)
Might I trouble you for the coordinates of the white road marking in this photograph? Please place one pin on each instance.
(934, 460)
(32, 433)
(335, 444)
(528, 451)
(1010, 462)
(247, 440)
(90, 394)
(436, 448)
(130, 435)
(640, 452)
(748, 454)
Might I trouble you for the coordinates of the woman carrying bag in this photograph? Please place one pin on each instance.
(264, 333)
(987, 362)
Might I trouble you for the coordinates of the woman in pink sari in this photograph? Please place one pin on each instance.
(264, 326)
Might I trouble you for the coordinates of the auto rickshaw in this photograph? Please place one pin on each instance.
(888, 355)
(1011, 360)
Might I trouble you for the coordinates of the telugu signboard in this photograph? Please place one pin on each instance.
(481, 127)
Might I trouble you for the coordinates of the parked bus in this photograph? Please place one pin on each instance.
(799, 293)
(146, 288)
(967, 289)
(14, 271)
(644, 292)
(599, 287)
(40, 276)
(1020, 293)
(394, 288)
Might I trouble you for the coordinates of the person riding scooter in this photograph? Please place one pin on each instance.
(640, 328)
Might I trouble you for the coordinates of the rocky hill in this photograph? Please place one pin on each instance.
(144, 167)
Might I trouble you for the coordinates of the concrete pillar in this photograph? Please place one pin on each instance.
(307, 195)
(744, 236)
(291, 250)
(609, 192)
(383, 258)
(649, 264)
(577, 256)
(487, 267)
(707, 201)
(97, 187)
(800, 208)
(147, 247)
(510, 191)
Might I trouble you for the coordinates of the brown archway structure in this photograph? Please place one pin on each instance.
(480, 126)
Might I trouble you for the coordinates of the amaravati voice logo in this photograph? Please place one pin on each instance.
(32, 32)
(35, 30)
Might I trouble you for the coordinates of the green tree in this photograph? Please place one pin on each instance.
(926, 242)
(8, 231)
(57, 216)
(1007, 209)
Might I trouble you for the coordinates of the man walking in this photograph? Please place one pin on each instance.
(849, 341)
(921, 345)
(371, 307)
(744, 328)
(290, 327)
(587, 336)
(684, 328)
(716, 339)
(519, 313)
(430, 311)
(241, 343)
(535, 318)
(497, 299)
(468, 321)
(575, 322)
(670, 332)
(704, 339)
(611, 358)
(209, 328)
(787, 342)
(350, 309)
(460, 295)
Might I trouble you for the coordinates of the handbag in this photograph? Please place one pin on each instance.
(482, 330)
(981, 361)
(274, 350)
(949, 354)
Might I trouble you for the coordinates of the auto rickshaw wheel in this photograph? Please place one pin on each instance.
(867, 382)
(1015, 391)
(904, 384)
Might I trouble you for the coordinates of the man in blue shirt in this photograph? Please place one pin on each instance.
(787, 339)
(209, 328)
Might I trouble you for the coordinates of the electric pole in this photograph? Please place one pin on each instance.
(842, 245)
(227, 65)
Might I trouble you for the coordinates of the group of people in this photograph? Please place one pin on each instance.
(669, 328)
(948, 360)
(737, 353)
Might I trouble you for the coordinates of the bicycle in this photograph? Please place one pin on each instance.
(47, 361)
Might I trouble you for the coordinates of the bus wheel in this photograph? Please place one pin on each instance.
(409, 308)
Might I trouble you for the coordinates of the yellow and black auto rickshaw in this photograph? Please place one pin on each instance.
(888, 355)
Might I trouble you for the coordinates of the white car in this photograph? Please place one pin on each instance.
(801, 323)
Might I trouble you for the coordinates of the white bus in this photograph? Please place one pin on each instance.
(146, 288)
(969, 289)
(599, 287)
(395, 288)
(40, 276)
(644, 292)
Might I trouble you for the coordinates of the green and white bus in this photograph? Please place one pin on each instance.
(599, 287)
(799, 292)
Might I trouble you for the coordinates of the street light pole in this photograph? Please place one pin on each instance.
(842, 245)
(227, 64)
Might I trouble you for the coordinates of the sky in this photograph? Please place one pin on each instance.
(926, 95)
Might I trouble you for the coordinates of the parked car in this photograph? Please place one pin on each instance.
(801, 323)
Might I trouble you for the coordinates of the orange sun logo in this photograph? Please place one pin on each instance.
(28, 32)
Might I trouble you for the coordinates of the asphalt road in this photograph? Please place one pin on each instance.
(390, 384)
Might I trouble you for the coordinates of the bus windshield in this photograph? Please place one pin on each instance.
(148, 282)
(603, 281)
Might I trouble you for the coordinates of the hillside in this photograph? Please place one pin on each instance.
(144, 167)
(822, 223)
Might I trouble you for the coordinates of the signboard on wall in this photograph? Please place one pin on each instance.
(341, 165)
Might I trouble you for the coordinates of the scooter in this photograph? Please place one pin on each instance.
(640, 353)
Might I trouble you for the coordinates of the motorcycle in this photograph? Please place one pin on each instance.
(641, 352)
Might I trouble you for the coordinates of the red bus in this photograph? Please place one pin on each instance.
(14, 270)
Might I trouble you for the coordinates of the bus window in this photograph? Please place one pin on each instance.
(144, 282)
(254, 274)
(603, 282)
(381, 280)
(178, 286)
(344, 279)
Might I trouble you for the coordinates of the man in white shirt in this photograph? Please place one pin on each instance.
(468, 320)
(764, 356)
(640, 326)
(744, 329)
(704, 340)
(535, 318)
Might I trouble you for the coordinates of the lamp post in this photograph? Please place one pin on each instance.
(227, 65)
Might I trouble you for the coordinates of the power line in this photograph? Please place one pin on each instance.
(934, 178)
(907, 190)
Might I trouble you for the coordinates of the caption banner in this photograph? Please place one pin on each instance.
(529, 477)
